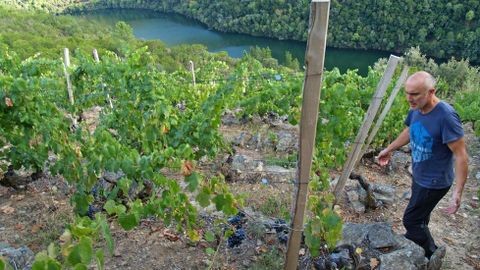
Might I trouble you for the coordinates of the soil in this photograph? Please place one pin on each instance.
(37, 216)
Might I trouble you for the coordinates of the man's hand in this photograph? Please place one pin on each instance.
(455, 204)
(384, 157)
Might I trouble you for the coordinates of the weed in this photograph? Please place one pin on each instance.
(270, 260)
(275, 206)
(256, 230)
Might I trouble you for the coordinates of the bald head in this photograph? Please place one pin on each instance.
(420, 91)
(421, 79)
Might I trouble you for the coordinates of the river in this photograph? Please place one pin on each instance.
(175, 29)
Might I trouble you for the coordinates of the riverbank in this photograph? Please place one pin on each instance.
(442, 30)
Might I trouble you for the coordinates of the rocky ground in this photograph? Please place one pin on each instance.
(261, 169)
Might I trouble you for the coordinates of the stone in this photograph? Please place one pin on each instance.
(384, 193)
(392, 250)
(229, 118)
(256, 141)
(241, 139)
(246, 168)
(239, 163)
(21, 258)
(406, 195)
(408, 255)
(352, 196)
(287, 142)
(358, 207)
(113, 177)
(400, 160)
(380, 235)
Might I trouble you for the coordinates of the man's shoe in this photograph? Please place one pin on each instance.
(436, 260)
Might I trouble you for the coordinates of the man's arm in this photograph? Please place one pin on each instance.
(401, 140)
(461, 172)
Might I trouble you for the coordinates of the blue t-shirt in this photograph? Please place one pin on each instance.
(429, 135)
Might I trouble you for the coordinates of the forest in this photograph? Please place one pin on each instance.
(442, 29)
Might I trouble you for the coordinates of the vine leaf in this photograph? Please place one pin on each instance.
(128, 221)
(192, 180)
(81, 253)
(203, 198)
(209, 237)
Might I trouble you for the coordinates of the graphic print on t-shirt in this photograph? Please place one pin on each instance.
(421, 142)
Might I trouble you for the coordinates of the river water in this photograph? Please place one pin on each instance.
(175, 29)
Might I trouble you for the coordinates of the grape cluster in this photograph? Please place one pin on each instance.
(239, 233)
(281, 228)
(91, 212)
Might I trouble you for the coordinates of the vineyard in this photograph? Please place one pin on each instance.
(157, 121)
(160, 132)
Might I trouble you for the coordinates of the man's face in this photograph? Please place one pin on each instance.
(417, 95)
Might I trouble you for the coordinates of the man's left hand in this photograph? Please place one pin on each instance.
(455, 204)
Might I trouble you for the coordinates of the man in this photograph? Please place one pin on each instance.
(435, 133)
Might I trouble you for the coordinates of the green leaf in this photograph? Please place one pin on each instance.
(125, 184)
(203, 198)
(52, 251)
(112, 208)
(82, 252)
(46, 265)
(219, 201)
(128, 221)
(74, 256)
(80, 266)
(210, 251)
(2, 264)
(107, 234)
(225, 203)
(53, 265)
(192, 180)
(44, 262)
(209, 236)
(100, 260)
(86, 249)
(82, 201)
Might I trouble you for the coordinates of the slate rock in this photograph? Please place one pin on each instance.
(21, 258)
(287, 142)
(380, 235)
(392, 250)
(400, 160)
(408, 255)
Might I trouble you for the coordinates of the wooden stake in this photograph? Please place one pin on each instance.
(95, 55)
(391, 99)
(97, 59)
(66, 64)
(314, 62)
(367, 123)
(192, 69)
